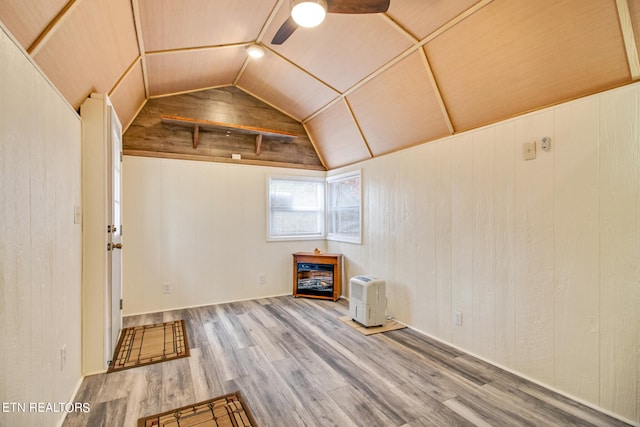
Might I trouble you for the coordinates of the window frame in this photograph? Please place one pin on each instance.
(321, 214)
(340, 237)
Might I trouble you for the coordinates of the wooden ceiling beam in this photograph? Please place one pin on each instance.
(124, 75)
(365, 80)
(316, 147)
(137, 24)
(464, 15)
(355, 120)
(269, 103)
(241, 72)
(168, 94)
(402, 30)
(436, 91)
(272, 16)
(418, 44)
(261, 34)
(304, 70)
(197, 48)
(52, 27)
(629, 38)
(125, 126)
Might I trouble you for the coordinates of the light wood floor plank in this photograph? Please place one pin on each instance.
(467, 413)
(296, 364)
(204, 376)
(137, 392)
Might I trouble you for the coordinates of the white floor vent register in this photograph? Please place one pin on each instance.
(367, 300)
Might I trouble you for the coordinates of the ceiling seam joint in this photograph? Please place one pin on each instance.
(53, 26)
(628, 37)
(355, 120)
(135, 7)
(436, 91)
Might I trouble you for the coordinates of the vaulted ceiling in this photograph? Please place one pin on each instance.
(362, 85)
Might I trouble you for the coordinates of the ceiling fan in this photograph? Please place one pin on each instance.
(310, 13)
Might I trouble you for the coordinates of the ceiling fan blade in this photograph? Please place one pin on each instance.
(357, 6)
(285, 30)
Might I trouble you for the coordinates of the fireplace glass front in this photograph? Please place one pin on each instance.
(315, 279)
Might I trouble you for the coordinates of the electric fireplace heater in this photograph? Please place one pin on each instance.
(315, 279)
(317, 275)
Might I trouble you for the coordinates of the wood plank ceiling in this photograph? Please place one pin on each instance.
(362, 85)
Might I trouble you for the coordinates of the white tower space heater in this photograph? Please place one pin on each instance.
(367, 300)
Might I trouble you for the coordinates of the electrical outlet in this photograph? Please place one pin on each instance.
(77, 214)
(458, 318)
(166, 288)
(63, 357)
(262, 279)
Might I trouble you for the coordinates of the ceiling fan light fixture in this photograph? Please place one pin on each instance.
(255, 51)
(308, 13)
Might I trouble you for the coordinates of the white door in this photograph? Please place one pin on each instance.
(114, 323)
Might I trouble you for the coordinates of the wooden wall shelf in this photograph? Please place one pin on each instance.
(198, 124)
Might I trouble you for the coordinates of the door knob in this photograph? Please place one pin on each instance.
(116, 246)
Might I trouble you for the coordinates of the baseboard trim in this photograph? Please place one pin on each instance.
(71, 400)
(533, 380)
(162, 310)
(521, 375)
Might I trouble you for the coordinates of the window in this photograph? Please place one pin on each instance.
(344, 211)
(296, 208)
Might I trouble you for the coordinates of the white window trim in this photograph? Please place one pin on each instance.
(337, 236)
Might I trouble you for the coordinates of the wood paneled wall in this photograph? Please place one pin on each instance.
(40, 248)
(201, 228)
(540, 256)
(149, 136)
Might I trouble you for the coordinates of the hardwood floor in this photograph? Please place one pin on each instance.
(296, 364)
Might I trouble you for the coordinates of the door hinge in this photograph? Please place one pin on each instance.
(120, 303)
(108, 229)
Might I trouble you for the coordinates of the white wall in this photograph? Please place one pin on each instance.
(201, 228)
(542, 256)
(40, 248)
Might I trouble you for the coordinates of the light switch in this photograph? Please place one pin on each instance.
(530, 150)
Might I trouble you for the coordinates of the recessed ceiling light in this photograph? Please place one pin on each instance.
(309, 13)
(255, 51)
